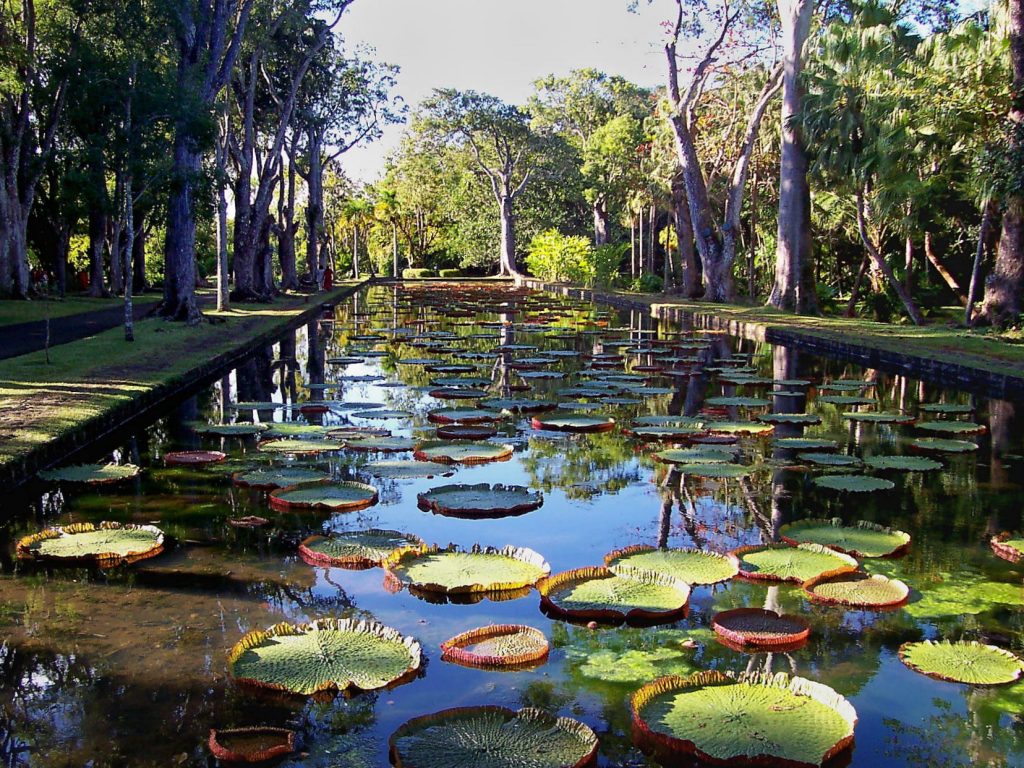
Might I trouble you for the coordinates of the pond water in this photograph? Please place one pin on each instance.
(128, 666)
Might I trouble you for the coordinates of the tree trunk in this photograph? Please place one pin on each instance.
(855, 290)
(314, 208)
(179, 302)
(139, 255)
(600, 211)
(793, 247)
(640, 256)
(223, 289)
(97, 236)
(912, 311)
(355, 252)
(508, 237)
(979, 253)
(947, 277)
(129, 308)
(652, 239)
(632, 246)
(684, 238)
(394, 250)
(286, 232)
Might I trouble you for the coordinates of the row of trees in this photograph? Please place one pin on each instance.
(124, 119)
(892, 161)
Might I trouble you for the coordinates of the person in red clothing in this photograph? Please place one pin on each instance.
(328, 279)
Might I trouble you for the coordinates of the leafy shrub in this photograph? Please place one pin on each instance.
(450, 273)
(571, 258)
(647, 283)
(879, 306)
(417, 274)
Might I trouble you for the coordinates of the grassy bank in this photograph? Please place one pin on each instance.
(15, 312)
(92, 384)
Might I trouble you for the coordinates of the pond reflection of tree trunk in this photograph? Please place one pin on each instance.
(1002, 421)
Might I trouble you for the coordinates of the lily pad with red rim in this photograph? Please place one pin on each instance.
(91, 474)
(573, 423)
(107, 544)
(782, 562)
(465, 431)
(967, 662)
(942, 445)
(193, 458)
(356, 549)
(255, 745)
(335, 496)
(462, 452)
(481, 500)
(694, 566)
(601, 594)
(276, 477)
(380, 444)
(453, 570)
(1008, 546)
(863, 539)
(856, 590)
(756, 629)
(498, 646)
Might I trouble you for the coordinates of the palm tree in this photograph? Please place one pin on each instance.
(358, 213)
(387, 211)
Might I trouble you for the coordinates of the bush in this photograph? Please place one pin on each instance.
(647, 283)
(417, 274)
(571, 258)
(450, 273)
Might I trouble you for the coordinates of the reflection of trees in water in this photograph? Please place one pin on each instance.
(581, 465)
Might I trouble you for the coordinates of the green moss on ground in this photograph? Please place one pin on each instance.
(88, 379)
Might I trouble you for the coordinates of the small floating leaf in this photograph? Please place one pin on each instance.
(694, 456)
(805, 444)
(943, 445)
(299, 447)
(380, 444)
(790, 418)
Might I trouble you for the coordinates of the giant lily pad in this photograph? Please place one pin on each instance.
(718, 470)
(380, 444)
(466, 431)
(739, 428)
(694, 456)
(518, 405)
(326, 655)
(790, 418)
(781, 562)
(257, 745)
(463, 416)
(193, 458)
(106, 544)
(405, 470)
(904, 463)
(741, 402)
(456, 571)
(341, 496)
(299, 447)
(854, 483)
(276, 477)
(857, 589)
(480, 500)
(946, 408)
(760, 629)
(847, 400)
(382, 414)
(601, 594)
(1008, 546)
(950, 427)
(693, 566)
(455, 452)
(805, 444)
(943, 445)
(962, 662)
(355, 549)
(669, 433)
(829, 459)
(497, 646)
(861, 540)
(91, 474)
(571, 423)
(878, 417)
(241, 429)
(747, 720)
(295, 429)
(492, 737)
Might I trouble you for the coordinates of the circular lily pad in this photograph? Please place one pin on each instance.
(950, 427)
(497, 646)
(295, 429)
(327, 655)
(781, 562)
(946, 408)
(854, 483)
(667, 433)
(962, 662)
(863, 539)
(905, 463)
(760, 629)
(404, 470)
(694, 456)
(456, 571)
(805, 444)
(465, 431)
(790, 418)
(458, 393)
(693, 566)
(193, 458)
(943, 445)
(878, 417)
(752, 719)
(480, 500)
(106, 544)
(454, 452)
(519, 405)
(341, 496)
(298, 447)
(463, 416)
(846, 400)
(857, 589)
(600, 594)
(241, 429)
(570, 423)
(355, 549)
(381, 414)
(739, 428)
(91, 474)
(1008, 546)
(258, 745)
(492, 737)
(380, 444)
(276, 477)
(259, 406)
(742, 402)
(830, 459)
(717, 470)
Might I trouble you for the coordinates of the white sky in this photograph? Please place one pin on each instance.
(499, 47)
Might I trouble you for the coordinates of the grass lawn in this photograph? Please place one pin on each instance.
(91, 377)
(14, 311)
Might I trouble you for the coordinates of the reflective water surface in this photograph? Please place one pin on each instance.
(127, 667)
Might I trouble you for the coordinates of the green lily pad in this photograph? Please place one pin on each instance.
(106, 544)
(463, 416)
(750, 719)
(91, 474)
(462, 452)
(805, 444)
(404, 470)
(861, 540)
(854, 483)
(847, 400)
(857, 589)
(946, 408)
(298, 447)
(241, 429)
(480, 500)
(667, 433)
(326, 655)
(276, 477)
(950, 594)
(905, 463)
(456, 571)
(603, 594)
(693, 566)
(628, 656)
(295, 430)
(830, 459)
(380, 444)
(355, 549)
(340, 496)
(845, 385)
(741, 402)
(943, 445)
(518, 405)
(715, 470)
(492, 737)
(694, 456)
(962, 662)
(572, 423)
(790, 418)
(382, 413)
(260, 406)
(738, 428)
(950, 427)
(878, 417)
(781, 562)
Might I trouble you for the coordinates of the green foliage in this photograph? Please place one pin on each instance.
(417, 273)
(647, 283)
(555, 257)
(450, 273)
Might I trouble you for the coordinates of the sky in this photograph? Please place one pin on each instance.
(498, 47)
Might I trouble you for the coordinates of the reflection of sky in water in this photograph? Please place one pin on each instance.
(600, 493)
